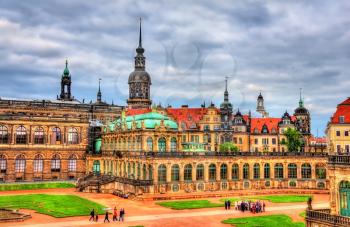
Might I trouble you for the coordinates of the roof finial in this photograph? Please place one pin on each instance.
(66, 62)
(99, 84)
(99, 94)
(140, 35)
(301, 102)
(226, 78)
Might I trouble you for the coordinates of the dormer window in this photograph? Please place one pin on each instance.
(238, 121)
(286, 121)
(264, 129)
(256, 131)
(341, 119)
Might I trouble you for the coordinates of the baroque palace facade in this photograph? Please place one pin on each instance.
(168, 150)
(48, 139)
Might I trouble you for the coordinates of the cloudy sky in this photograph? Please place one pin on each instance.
(275, 47)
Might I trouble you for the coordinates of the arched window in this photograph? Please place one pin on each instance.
(144, 172)
(129, 170)
(292, 170)
(161, 144)
(21, 135)
(223, 172)
(150, 172)
(20, 164)
(306, 171)
(235, 172)
(56, 136)
(73, 136)
(72, 163)
(200, 172)
(162, 173)
(188, 172)
(133, 170)
(149, 144)
(3, 163)
(212, 172)
(38, 163)
(3, 134)
(96, 167)
(138, 171)
(320, 171)
(267, 171)
(173, 144)
(175, 173)
(246, 171)
(56, 163)
(279, 171)
(39, 136)
(256, 173)
(138, 143)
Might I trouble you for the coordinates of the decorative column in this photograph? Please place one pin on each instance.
(218, 165)
(206, 173)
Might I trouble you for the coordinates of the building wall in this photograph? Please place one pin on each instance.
(340, 140)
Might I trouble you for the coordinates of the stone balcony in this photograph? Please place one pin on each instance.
(323, 218)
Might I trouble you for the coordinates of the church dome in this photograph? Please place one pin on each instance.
(139, 76)
(301, 110)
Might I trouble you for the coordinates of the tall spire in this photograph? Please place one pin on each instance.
(99, 94)
(301, 102)
(140, 35)
(226, 92)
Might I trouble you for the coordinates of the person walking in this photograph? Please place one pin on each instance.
(96, 217)
(263, 207)
(121, 214)
(229, 204)
(106, 217)
(92, 215)
(115, 214)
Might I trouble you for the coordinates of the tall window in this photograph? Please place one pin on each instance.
(144, 172)
(21, 135)
(256, 174)
(246, 171)
(149, 144)
(212, 172)
(162, 173)
(292, 170)
(306, 171)
(320, 172)
(56, 163)
(279, 171)
(56, 135)
(39, 136)
(72, 136)
(20, 164)
(175, 173)
(38, 164)
(173, 144)
(72, 163)
(96, 167)
(188, 172)
(223, 172)
(267, 171)
(161, 144)
(235, 172)
(150, 172)
(3, 164)
(200, 172)
(3, 134)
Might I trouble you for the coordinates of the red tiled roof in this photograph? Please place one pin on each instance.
(257, 123)
(318, 139)
(343, 109)
(132, 112)
(189, 116)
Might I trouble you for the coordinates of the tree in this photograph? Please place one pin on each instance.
(294, 140)
(228, 146)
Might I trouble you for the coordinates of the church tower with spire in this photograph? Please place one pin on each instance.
(226, 109)
(66, 82)
(99, 94)
(303, 117)
(139, 81)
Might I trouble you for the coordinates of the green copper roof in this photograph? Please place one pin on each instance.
(150, 120)
(66, 70)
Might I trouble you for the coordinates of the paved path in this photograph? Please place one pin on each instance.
(172, 215)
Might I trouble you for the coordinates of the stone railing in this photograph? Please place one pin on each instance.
(323, 216)
(182, 154)
(339, 159)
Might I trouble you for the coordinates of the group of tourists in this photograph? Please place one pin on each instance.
(254, 207)
(94, 215)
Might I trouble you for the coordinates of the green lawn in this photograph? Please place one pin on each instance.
(189, 204)
(302, 214)
(58, 206)
(30, 186)
(264, 221)
(273, 198)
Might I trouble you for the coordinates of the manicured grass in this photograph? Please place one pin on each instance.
(31, 186)
(54, 205)
(273, 198)
(266, 221)
(302, 214)
(189, 204)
